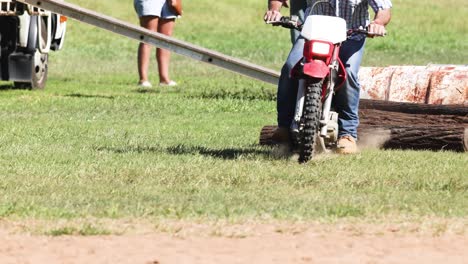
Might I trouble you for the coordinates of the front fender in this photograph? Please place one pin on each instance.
(316, 69)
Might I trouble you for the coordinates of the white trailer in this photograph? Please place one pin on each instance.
(27, 35)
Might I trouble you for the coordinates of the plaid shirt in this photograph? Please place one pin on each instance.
(355, 12)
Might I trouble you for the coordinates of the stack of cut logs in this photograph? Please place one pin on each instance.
(407, 126)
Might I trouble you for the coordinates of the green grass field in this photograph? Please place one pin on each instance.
(91, 145)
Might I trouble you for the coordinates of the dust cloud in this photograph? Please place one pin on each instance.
(373, 138)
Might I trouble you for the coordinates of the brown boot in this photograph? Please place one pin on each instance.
(280, 135)
(346, 145)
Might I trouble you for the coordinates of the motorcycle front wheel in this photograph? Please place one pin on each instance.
(311, 118)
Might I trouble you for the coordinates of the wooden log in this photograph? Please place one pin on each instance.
(266, 136)
(453, 138)
(412, 108)
(388, 119)
(395, 125)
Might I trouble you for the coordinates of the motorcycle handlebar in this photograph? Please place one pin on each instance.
(294, 23)
(365, 31)
(287, 22)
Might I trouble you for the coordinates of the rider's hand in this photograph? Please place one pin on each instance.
(376, 29)
(272, 16)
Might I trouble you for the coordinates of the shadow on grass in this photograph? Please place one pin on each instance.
(78, 95)
(224, 153)
(245, 94)
(6, 87)
(158, 90)
(145, 90)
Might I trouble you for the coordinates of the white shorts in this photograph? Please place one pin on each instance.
(157, 8)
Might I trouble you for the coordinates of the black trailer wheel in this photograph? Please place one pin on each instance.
(39, 72)
(39, 67)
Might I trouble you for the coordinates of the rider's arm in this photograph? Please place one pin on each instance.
(382, 9)
(274, 7)
(382, 18)
(281, 2)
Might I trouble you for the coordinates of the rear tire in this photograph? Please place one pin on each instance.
(311, 115)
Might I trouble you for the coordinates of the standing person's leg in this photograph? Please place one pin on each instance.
(166, 27)
(347, 97)
(144, 50)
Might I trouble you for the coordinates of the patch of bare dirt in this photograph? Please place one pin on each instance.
(244, 243)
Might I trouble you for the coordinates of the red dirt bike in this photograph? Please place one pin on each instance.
(320, 73)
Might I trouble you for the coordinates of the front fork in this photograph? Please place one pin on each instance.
(329, 93)
(328, 117)
(295, 125)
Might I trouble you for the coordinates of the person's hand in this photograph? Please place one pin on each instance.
(272, 16)
(376, 29)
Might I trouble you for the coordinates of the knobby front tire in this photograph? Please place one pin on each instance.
(312, 113)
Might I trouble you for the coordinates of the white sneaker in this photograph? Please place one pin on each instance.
(170, 83)
(145, 84)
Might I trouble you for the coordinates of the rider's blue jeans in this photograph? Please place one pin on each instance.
(297, 8)
(346, 100)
